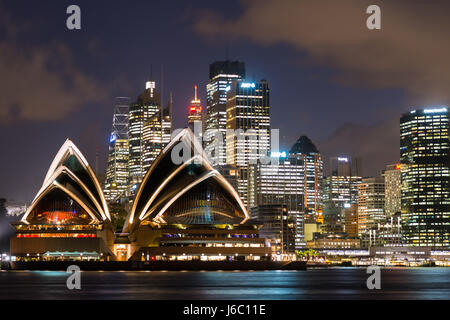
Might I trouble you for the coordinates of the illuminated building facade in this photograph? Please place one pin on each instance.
(351, 220)
(141, 111)
(248, 127)
(68, 218)
(149, 132)
(370, 204)
(333, 241)
(385, 233)
(341, 185)
(221, 76)
(220, 242)
(340, 190)
(306, 151)
(280, 184)
(425, 162)
(117, 171)
(393, 191)
(278, 227)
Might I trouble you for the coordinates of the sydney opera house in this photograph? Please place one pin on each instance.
(184, 209)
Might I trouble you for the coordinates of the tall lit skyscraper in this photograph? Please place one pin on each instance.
(393, 192)
(425, 162)
(156, 134)
(248, 127)
(196, 116)
(306, 151)
(370, 204)
(142, 114)
(167, 122)
(340, 191)
(221, 75)
(280, 184)
(341, 185)
(149, 131)
(117, 173)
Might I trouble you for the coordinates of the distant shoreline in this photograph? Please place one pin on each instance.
(186, 266)
(161, 265)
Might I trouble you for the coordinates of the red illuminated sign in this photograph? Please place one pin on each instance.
(193, 109)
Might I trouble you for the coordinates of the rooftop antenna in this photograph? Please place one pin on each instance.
(149, 84)
(226, 52)
(162, 88)
(170, 110)
(170, 104)
(96, 160)
(161, 107)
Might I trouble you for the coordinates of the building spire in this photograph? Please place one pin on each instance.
(170, 104)
(150, 84)
(162, 89)
(196, 100)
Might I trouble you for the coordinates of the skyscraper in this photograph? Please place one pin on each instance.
(149, 131)
(341, 185)
(280, 184)
(370, 204)
(393, 192)
(248, 127)
(425, 162)
(221, 75)
(306, 151)
(196, 116)
(340, 190)
(117, 173)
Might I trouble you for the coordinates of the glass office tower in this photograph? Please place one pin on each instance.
(117, 173)
(148, 130)
(393, 191)
(425, 161)
(221, 75)
(280, 184)
(306, 151)
(248, 127)
(370, 204)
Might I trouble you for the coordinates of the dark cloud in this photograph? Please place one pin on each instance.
(40, 83)
(410, 51)
(377, 145)
(37, 89)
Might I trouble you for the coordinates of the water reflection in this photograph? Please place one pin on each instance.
(332, 283)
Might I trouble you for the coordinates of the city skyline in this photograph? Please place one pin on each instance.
(105, 68)
(212, 157)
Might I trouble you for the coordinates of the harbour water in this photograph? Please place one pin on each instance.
(321, 283)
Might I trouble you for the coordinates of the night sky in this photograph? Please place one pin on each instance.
(331, 78)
